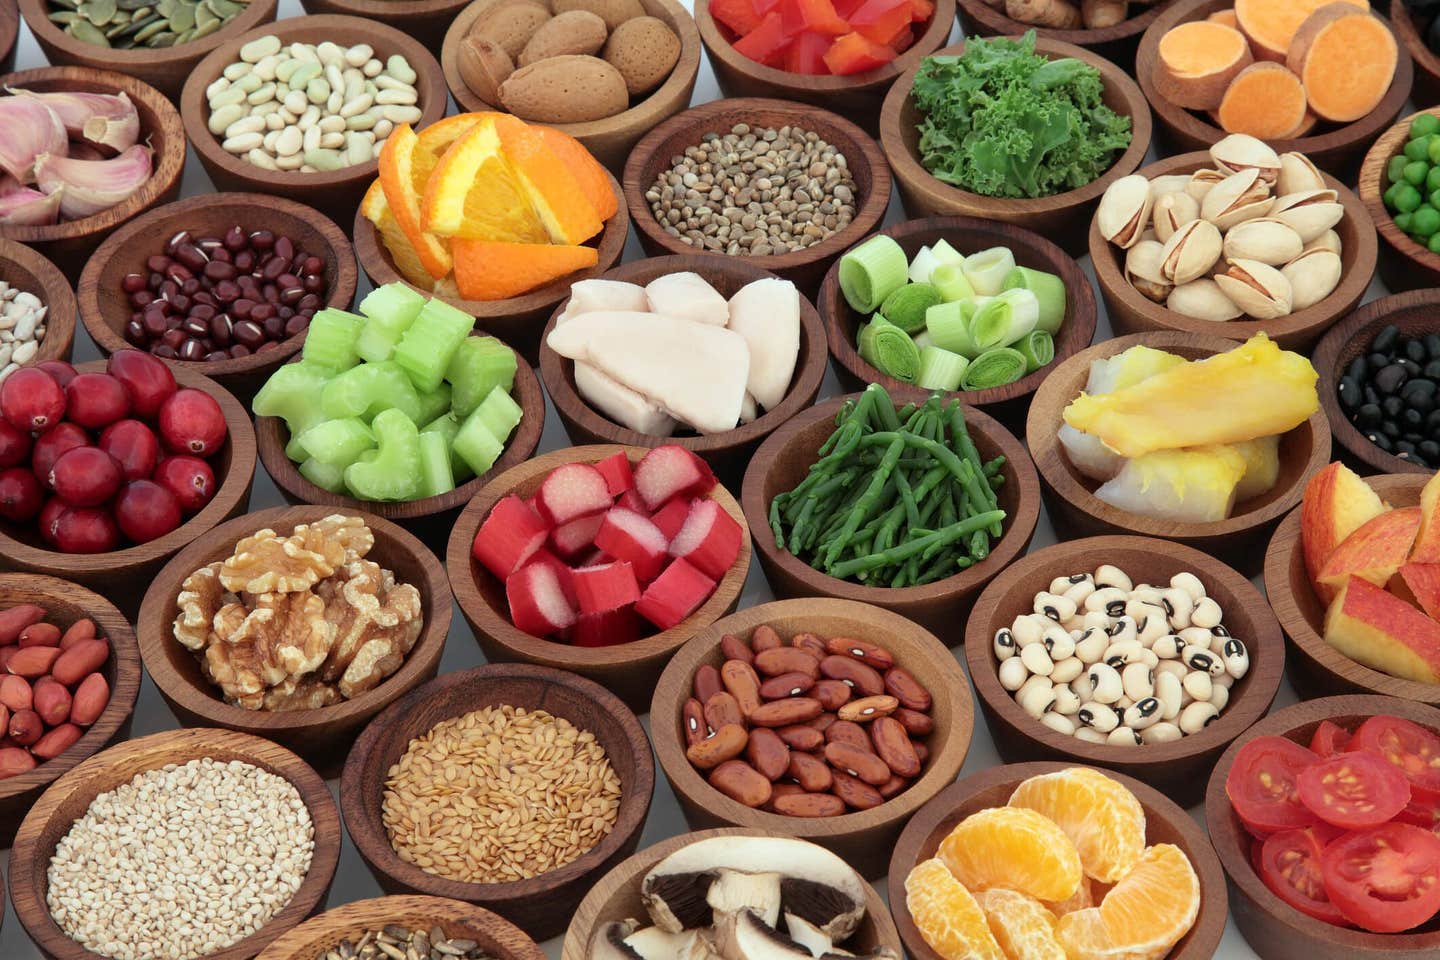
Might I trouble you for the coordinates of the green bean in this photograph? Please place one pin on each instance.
(907, 499)
(868, 502)
(904, 551)
(992, 467)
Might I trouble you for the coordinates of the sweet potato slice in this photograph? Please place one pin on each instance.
(1271, 24)
(1264, 100)
(1345, 57)
(1225, 17)
(1196, 61)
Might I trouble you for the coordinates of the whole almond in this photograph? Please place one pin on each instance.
(856, 762)
(90, 700)
(736, 649)
(26, 727)
(767, 753)
(613, 12)
(707, 682)
(568, 89)
(692, 720)
(16, 693)
(727, 743)
(574, 31)
(17, 618)
(483, 65)
(52, 701)
(15, 761)
(741, 782)
(32, 662)
(82, 629)
(40, 635)
(57, 741)
(809, 805)
(644, 50)
(79, 661)
(782, 713)
(856, 792)
(511, 24)
(778, 660)
(810, 772)
(722, 708)
(741, 681)
(892, 745)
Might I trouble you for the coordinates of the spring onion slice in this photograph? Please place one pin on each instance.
(949, 327)
(889, 349)
(906, 306)
(994, 368)
(940, 369)
(873, 271)
(987, 270)
(921, 265)
(1049, 290)
(923, 339)
(1004, 319)
(949, 280)
(944, 253)
(1038, 349)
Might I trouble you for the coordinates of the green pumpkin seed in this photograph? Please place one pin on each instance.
(99, 12)
(204, 15)
(224, 9)
(205, 29)
(182, 19)
(87, 32)
(64, 16)
(163, 39)
(151, 29)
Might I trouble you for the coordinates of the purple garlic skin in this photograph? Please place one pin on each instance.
(103, 119)
(91, 186)
(28, 130)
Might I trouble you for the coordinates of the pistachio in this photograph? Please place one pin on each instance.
(1190, 252)
(1309, 212)
(1265, 239)
(1297, 173)
(1124, 210)
(1329, 240)
(1173, 210)
(1201, 182)
(1256, 288)
(1313, 276)
(1149, 234)
(1169, 183)
(1142, 269)
(1204, 300)
(1239, 197)
(1240, 151)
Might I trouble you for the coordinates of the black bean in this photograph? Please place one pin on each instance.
(1391, 429)
(1412, 419)
(1423, 403)
(1381, 441)
(1404, 447)
(1432, 345)
(1359, 369)
(1415, 351)
(1368, 416)
(1392, 406)
(1387, 339)
(1389, 379)
(1371, 394)
(1350, 394)
(1378, 362)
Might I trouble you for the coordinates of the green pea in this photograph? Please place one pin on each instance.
(1395, 169)
(1433, 152)
(1418, 149)
(1388, 197)
(1407, 198)
(1434, 243)
(1415, 172)
(1424, 125)
(1434, 199)
(1425, 221)
(1402, 220)
(1432, 180)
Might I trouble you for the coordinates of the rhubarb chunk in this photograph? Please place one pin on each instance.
(634, 538)
(605, 587)
(537, 603)
(509, 537)
(617, 472)
(709, 540)
(606, 629)
(669, 471)
(572, 491)
(574, 538)
(674, 595)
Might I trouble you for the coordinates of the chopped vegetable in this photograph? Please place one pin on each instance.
(1049, 292)
(1195, 61)
(986, 270)
(872, 271)
(994, 368)
(1264, 100)
(1345, 56)
(940, 369)
(889, 349)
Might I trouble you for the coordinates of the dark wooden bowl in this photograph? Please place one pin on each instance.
(516, 320)
(785, 458)
(1165, 822)
(66, 603)
(9, 33)
(617, 897)
(24, 269)
(857, 97)
(628, 670)
(863, 837)
(499, 937)
(1273, 928)
(1132, 312)
(1404, 264)
(66, 801)
(105, 308)
(1070, 495)
(652, 157)
(1008, 403)
(1337, 149)
(336, 193)
(610, 140)
(321, 736)
(1116, 44)
(425, 20)
(1316, 668)
(1427, 64)
(1061, 217)
(539, 905)
(1177, 769)
(728, 452)
(164, 68)
(71, 243)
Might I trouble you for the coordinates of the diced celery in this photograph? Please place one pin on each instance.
(500, 414)
(331, 338)
(436, 476)
(477, 446)
(390, 310)
(394, 472)
(480, 364)
(338, 442)
(434, 403)
(290, 394)
(448, 426)
(324, 475)
(365, 390)
(425, 351)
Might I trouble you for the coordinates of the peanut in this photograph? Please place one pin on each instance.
(741, 782)
(26, 727)
(32, 662)
(781, 660)
(767, 753)
(744, 685)
(786, 685)
(727, 743)
(692, 719)
(809, 805)
(40, 635)
(707, 683)
(783, 713)
(864, 680)
(16, 619)
(868, 708)
(867, 653)
(733, 648)
(892, 745)
(856, 762)
(16, 693)
(764, 638)
(52, 701)
(57, 741)
(90, 700)
(15, 761)
(82, 629)
(81, 660)
(721, 709)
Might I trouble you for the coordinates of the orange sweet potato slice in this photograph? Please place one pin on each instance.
(1264, 100)
(1345, 57)
(1196, 61)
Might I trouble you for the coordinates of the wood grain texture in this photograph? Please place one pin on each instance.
(25, 269)
(498, 937)
(1317, 669)
(1070, 495)
(863, 838)
(67, 800)
(610, 140)
(68, 245)
(1007, 403)
(105, 308)
(728, 452)
(785, 458)
(655, 152)
(1116, 43)
(1274, 929)
(628, 670)
(425, 20)
(1061, 217)
(336, 193)
(1427, 64)
(1337, 149)
(1164, 823)
(1404, 264)
(1132, 312)
(9, 33)
(539, 905)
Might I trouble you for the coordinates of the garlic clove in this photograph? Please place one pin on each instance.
(94, 185)
(104, 119)
(28, 129)
(26, 207)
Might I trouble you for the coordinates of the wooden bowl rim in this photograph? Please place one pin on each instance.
(1408, 32)
(9, 33)
(1387, 145)
(45, 32)
(998, 24)
(397, 10)
(55, 293)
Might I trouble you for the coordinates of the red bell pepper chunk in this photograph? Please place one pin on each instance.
(881, 20)
(807, 54)
(903, 40)
(845, 8)
(854, 53)
(816, 16)
(921, 10)
(767, 42)
(739, 15)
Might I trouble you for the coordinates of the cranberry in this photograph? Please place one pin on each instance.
(14, 444)
(85, 477)
(61, 371)
(95, 400)
(31, 400)
(49, 515)
(189, 478)
(192, 422)
(50, 445)
(21, 495)
(148, 381)
(86, 530)
(145, 510)
(134, 447)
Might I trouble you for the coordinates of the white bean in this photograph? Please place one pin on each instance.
(1096, 618)
(1089, 736)
(1097, 716)
(1197, 684)
(1066, 700)
(1138, 680)
(1005, 646)
(1036, 697)
(1091, 645)
(1059, 723)
(1123, 737)
(1145, 713)
(1237, 658)
(1187, 581)
(1054, 606)
(1175, 668)
(1168, 647)
(1028, 629)
(1219, 696)
(1162, 732)
(1112, 576)
(1013, 674)
(1067, 670)
(1105, 685)
(1036, 660)
(1058, 643)
(1200, 658)
(1197, 716)
(1110, 600)
(1207, 613)
(1063, 584)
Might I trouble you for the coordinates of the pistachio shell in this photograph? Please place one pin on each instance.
(1313, 276)
(1202, 181)
(1124, 210)
(1256, 288)
(1202, 299)
(1240, 151)
(1142, 269)
(1149, 234)
(1239, 197)
(1265, 239)
(1309, 212)
(1329, 240)
(1172, 211)
(1170, 183)
(1297, 173)
(1190, 252)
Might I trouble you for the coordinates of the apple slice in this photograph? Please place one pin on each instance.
(1422, 583)
(1427, 541)
(1375, 551)
(1379, 630)
(1336, 503)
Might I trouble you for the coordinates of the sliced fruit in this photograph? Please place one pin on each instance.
(1354, 790)
(1102, 818)
(474, 192)
(1083, 897)
(1021, 925)
(402, 252)
(1083, 936)
(1263, 785)
(947, 916)
(593, 179)
(1375, 628)
(493, 270)
(1015, 848)
(432, 142)
(397, 180)
(1406, 745)
(1422, 583)
(1329, 739)
(1336, 502)
(1427, 542)
(1384, 880)
(1375, 551)
(1290, 866)
(1154, 906)
(555, 192)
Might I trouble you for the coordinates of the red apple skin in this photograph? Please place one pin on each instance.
(1337, 501)
(1427, 541)
(1422, 583)
(1376, 550)
(1377, 629)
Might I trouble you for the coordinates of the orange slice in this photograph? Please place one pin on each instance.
(491, 270)
(432, 143)
(585, 168)
(474, 193)
(1083, 936)
(947, 916)
(397, 181)
(1082, 898)
(568, 216)
(402, 253)
(1021, 925)
(1104, 819)
(1014, 848)
(1156, 903)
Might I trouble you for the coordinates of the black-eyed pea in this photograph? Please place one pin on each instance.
(1005, 645)
(1187, 581)
(1236, 657)
(1058, 643)
(1124, 630)
(1207, 613)
(1200, 658)
(1095, 620)
(1175, 667)
(1219, 696)
(1144, 713)
(1168, 647)
(1197, 716)
(1105, 684)
(1111, 576)
(1088, 735)
(1110, 601)
(1067, 702)
(1179, 606)
(1036, 660)
(1122, 652)
(1148, 658)
(1059, 723)
(1224, 680)
(1013, 674)
(1195, 636)
(1029, 628)
(1197, 684)
(1154, 626)
(1077, 593)
(1080, 686)
(1091, 645)
(1123, 737)
(1063, 584)
(1162, 732)
(1036, 697)
(1054, 606)
(1123, 704)
(1139, 608)
(1169, 691)
(1138, 680)
(1097, 716)
(1067, 670)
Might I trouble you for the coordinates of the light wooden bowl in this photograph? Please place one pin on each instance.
(728, 452)
(1427, 64)
(539, 905)
(787, 455)
(498, 937)
(66, 801)
(1061, 217)
(1007, 403)
(1070, 495)
(862, 837)
(1337, 149)
(652, 157)
(24, 269)
(336, 193)
(1165, 822)
(425, 20)
(105, 307)
(610, 140)
(1176, 769)
(70, 244)
(628, 670)
(1132, 312)
(1273, 928)
(1404, 264)
(1116, 44)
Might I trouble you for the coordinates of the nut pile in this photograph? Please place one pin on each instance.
(22, 328)
(227, 845)
(755, 191)
(298, 622)
(1109, 661)
(500, 794)
(1389, 393)
(829, 728)
(127, 24)
(397, 942)
(1251, 236)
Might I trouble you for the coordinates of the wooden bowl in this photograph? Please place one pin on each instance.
(1116, 44)
(728, 452)
(617, 897)
(857, 97)
(1337, 149)
(653, 154)
(610, 139)
(1165, 822)
(9, 33)
(538, 905)
(1404, 264)
(628, 670)
(499, 937)
(24, 269)
(863, 837)
(66, 801)
(1070, 495)
(1132, 312)
(1007, 403)
(1273, 928)
(425, 20)
(336, 193)
(122, 575)
(1427, 64)
(321, 736)
(105, 308)
(164, 68)
(1062, 217)
(1176, 769)
(1317, 669)
(516, 320)
(71, 243)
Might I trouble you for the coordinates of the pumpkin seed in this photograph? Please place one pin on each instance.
(152, 29)
(64, 16)
(87, 32)
(99, 12)
(183, 18)
(151, 23)
(205, 29)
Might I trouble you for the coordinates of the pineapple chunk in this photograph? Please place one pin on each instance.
(1196, 485)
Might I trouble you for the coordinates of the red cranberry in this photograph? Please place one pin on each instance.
(21, 495)
(148, 381)
(95, 400)
(61, 371)
(31, 400)
(86, 530)
(145, 510)
(134, 447)
(51, 444)
(49, 516)
(85, 477)
(14, 444)
(189, 478)
(192, 422)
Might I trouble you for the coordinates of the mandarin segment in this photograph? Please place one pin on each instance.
(1083, 897)
(1016, 848)
(1105, 821)
(1155, 904)
(947, 916)
(397, 180)
(1082, 934)
(1021, 925)
(554, 191)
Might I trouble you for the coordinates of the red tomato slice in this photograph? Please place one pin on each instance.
(1290, 867)
(1262, 785)
(1384, 880)
(1409, 746)
(1354, 790)
(1329, 739)
(1423, 810)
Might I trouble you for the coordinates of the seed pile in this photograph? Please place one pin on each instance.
(125, 24)
(226, 845)
(500, 794)
(396, 942)
(22, 328)
(1389, 393)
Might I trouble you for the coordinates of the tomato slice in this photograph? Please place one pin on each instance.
(1354, 790)
(1423, 810)
(1384, 880)
(1329, 739)
(1290, 867)
(1262, 785)
(1409, 746)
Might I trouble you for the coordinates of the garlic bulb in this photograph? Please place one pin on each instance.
(109, 120)
(91, 186)
(28, 129)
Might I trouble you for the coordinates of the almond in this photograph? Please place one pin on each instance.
(613, 12)
(510, 24)
(574, 31)
(568, 89)
(644, 50)
(484, 66)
